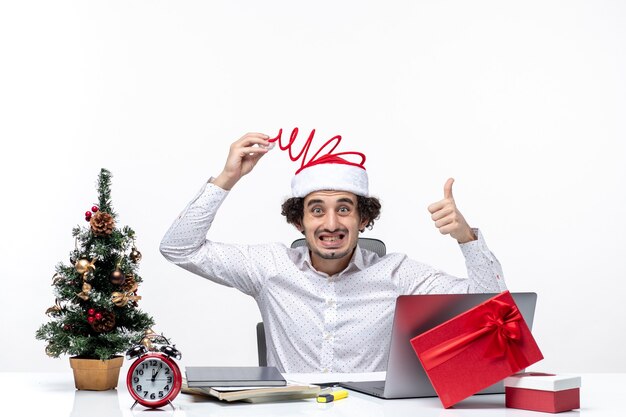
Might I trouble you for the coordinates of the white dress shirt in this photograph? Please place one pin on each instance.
(315, 322)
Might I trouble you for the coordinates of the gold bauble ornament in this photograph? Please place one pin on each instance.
(117, 277)
(84, 265)
(81, 266)
(135, 255)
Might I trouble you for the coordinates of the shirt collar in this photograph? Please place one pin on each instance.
(301, 257)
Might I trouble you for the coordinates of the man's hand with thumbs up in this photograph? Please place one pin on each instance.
(448, 218)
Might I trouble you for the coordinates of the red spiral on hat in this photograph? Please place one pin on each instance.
(327, 158)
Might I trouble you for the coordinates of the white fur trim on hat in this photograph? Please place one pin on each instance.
(334, 177)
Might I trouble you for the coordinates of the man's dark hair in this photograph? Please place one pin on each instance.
(369, 208)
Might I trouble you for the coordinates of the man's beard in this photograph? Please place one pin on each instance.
(333, 255)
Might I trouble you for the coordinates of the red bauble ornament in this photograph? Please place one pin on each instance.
(94, 209)
(88, 214)
(98, 316)
(87, 219)
(91, 311)
(90, 319)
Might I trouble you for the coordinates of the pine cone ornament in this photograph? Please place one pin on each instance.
(130, 284)
(105, 324)
(102, 224)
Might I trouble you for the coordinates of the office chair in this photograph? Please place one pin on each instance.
(374, 245)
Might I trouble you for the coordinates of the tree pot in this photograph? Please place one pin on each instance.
(96, 374)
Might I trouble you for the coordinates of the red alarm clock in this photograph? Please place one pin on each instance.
(154, 379)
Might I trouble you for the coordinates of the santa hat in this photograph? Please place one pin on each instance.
(330, 171)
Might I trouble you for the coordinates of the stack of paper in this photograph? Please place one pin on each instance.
(251, 384)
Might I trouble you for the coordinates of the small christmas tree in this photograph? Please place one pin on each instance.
(95, 314)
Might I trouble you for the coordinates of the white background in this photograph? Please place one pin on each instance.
(522, 103)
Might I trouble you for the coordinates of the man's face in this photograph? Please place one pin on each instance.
(331, 224)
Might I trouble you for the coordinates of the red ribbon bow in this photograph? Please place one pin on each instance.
(499, 321)
(328, 157)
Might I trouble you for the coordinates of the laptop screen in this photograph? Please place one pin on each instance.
(416, 314)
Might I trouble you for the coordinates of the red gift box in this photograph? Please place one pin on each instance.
(542, 392)
(476, 349)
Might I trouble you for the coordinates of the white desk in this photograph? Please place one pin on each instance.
(53, 394)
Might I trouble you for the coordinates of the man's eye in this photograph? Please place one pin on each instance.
(316, 210)
(344, 210)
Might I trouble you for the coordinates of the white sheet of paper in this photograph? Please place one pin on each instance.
(325, 378)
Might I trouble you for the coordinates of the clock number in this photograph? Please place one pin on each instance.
(153, 380)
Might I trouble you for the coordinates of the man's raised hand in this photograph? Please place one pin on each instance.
(448, 219)
(242, 157)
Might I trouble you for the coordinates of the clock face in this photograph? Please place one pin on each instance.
(153, 380)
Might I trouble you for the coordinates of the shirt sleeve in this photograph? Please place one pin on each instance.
(185, 244)
(484, 273)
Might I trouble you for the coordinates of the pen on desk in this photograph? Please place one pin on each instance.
(333, 396)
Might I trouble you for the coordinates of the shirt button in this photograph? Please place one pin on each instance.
(327, 336)
(330, 302)
(325, 370)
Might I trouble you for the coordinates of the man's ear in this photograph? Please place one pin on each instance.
(362, 225)
(299, 227)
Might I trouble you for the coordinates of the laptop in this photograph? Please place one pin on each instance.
(414, 315)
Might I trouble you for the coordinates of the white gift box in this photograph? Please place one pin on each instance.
(543, 392)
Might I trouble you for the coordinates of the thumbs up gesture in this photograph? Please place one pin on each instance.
(448, 219)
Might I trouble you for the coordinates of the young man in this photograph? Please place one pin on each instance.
(326, 307)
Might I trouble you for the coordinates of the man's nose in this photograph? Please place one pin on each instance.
(331, 221)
